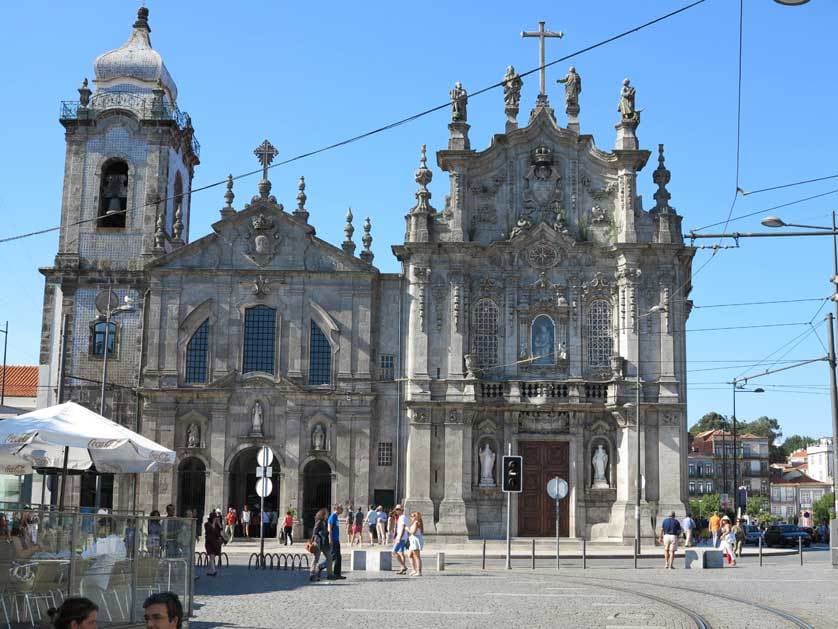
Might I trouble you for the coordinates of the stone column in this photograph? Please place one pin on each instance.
(452, 508)
(623, 512)
(417, 462)
(291, 470)
(296, 321)
(417, 346)
(216, 444)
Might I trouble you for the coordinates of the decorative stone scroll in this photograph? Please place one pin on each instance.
(543, 422)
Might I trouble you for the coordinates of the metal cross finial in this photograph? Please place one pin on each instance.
(542, 35)
(265, 153)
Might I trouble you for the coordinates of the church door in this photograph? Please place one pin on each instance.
(543, 460)
(192, 483)
(317, 492)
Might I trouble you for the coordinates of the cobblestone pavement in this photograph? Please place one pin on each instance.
(609, 594)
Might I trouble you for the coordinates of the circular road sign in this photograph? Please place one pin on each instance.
(265, 457)
(557, 488)
(264, 487)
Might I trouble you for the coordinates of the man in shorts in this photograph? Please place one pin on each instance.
(400, 539)
(670, 530)
(371, 520)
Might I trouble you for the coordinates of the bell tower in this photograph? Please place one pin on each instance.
(130, 158)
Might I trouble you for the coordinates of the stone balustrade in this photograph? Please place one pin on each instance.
(544, 392)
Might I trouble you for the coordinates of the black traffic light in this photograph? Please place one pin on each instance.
(512, 474)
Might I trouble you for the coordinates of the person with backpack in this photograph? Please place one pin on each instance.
(738, 536)
(670, 530)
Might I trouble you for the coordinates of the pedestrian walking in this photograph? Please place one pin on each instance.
(371, 526)
(400, 537)
(319, 545)
(727, 541)
(738, 537)
(380, 524)
(715, 526)
(416, 541)
(334, 541)
(350, 520)
(392, 518)
(213, 540)
(357, 527)
(245, 521)
(688, 524)
(155, 529)
(230, 524)
(266, 523)
(287, 527)
(670, 530)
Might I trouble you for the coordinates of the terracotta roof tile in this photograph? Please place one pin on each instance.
(21, 380)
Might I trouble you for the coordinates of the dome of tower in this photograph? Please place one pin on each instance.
(135, 62)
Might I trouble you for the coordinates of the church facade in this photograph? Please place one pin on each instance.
(526, 304)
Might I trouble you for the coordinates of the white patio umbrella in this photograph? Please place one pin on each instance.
(40, 439)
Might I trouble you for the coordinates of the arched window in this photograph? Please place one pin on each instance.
(113, 197)
(97, 341)
(320, 357)
(486, 333)
(543, 340)
(259, 339)
(599, 334)
(196, 355)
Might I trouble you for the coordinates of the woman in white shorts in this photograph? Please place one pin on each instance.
(417, 542)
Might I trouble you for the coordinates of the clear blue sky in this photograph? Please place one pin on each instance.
(308, 74)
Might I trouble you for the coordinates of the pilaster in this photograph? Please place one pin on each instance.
(417, 463)
(452, 508)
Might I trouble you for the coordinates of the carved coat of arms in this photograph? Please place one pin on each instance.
(262, 240)
(543, 194)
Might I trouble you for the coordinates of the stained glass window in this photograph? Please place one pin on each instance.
(320, 357)
(599, 334)
(196, 355)
(98, 345)
(259, 339)
(486, 333)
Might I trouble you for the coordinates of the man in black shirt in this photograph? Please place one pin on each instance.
(670, 530)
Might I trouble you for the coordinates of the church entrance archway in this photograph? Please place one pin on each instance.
(192, 487)
(242, 489)
(317, 491)
(543, 460)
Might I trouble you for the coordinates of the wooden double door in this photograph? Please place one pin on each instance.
(543, 460)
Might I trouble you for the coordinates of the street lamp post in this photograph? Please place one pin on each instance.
(127, 306)
(638, 479)
(738, 387)
(775, 221)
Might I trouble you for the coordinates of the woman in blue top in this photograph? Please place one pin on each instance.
(380, 524)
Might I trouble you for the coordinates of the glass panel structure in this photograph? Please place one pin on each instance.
(599, 334)
(320, 357)
(99, 338)
(259, 339)
(196, 355)
(486, 333)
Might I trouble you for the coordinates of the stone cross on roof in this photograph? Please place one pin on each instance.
(542, 35)
(265, 153)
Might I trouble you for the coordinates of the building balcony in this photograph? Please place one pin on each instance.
(139, 104)
(545, 392)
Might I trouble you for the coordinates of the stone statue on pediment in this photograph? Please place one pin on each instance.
(626, 106)
(572, 89)
(459, 103)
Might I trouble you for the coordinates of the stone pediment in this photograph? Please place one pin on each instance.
(262, 237)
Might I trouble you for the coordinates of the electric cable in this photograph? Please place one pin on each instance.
(378, 130)
(789, 185)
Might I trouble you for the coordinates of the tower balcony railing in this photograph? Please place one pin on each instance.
(140, 104)
(544, 392)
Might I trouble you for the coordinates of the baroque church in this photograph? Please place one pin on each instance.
(536, 306)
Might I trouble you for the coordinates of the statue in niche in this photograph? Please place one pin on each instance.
(318, 438)
(626, 106)
(543, 341)
(487, 466)
(193, 436)
(561, 351)
(600, 463)
(471, 366)
(258, 419)
(572, 88)
(459, 102)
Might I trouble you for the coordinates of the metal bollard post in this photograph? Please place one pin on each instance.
(533, 554)
(760, 551)
(484, 554)
(800, 549)
(440, 562)
(584, 553)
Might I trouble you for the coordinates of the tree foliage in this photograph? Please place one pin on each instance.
(710, 421)
(796, 442)
(822, 509)
(757, 507)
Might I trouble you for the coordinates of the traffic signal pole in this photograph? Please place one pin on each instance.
(509, 521)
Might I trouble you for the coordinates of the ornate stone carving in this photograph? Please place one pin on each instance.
(542, 256)
(572, 89)
(543, 422)
(262, 240)
(318, 438)
(471, 366)
(487, 456)
(626, 105)
(670, 419)
(600, 194)
(543, 193)
(512, 84)
(455, 417)
(261, 286)
(459, 103)
(599, 462)
(421, 417)
(257, 420)
(599, 215)
(457, 305)
(439, 294)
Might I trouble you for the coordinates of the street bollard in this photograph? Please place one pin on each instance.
(800, 549)
(440, 562)
(584, 553)
(484, 554)
(760, 551)
(533, 554)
